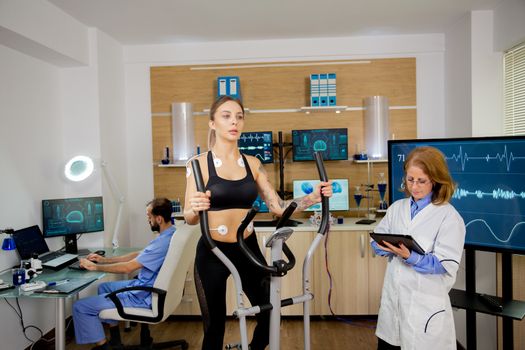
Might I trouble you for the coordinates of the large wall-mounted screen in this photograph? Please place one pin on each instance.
(490, 194)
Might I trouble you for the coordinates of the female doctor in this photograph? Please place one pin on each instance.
(415, 311)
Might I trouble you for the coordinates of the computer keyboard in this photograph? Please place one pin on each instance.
(51, 256)
(76, 266)
(60, 261)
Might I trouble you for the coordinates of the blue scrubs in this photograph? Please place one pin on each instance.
(88, 326)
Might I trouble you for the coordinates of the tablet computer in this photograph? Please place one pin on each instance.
(395, 239)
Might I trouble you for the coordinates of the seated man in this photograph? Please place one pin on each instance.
(88, 326)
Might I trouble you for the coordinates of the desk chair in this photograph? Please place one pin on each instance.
(166, 292)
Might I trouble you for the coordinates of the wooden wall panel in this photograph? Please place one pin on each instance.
(285, 88)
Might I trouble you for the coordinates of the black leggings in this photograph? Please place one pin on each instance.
(383, 345)
(210, 281)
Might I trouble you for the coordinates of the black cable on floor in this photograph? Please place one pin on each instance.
(18, 312)
(338, 318)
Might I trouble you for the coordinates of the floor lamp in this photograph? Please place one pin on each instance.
(80, 168)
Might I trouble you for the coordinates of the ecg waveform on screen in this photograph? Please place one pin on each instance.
(497, 193)
(492, 232)
(463, 158)
(251, 137)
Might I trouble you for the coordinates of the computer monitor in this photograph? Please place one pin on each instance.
(263, 208)
(71, 216)
(258, 144)
(490, 192)
(331, 143)
(338, 201)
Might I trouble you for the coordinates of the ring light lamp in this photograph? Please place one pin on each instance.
(79, 168)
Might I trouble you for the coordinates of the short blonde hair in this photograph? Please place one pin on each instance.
(432, 162)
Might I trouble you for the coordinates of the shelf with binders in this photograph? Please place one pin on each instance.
(304, 109)
(324, 109)
(175, 164)
(368, 161)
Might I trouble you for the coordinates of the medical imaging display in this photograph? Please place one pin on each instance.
(259, 203)
(72, 216)
(258, 144)
(490, 193)
(338, 201)
(331, 143)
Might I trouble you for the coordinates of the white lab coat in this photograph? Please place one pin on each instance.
(415, 311)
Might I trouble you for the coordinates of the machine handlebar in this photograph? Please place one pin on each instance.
(203, 214)
(323, 227)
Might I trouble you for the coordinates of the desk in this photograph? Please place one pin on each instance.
(60, 299)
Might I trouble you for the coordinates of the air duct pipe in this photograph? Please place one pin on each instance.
(182, 131)
(376, 126)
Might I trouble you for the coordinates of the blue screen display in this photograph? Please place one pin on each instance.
(338, 201)
(490, 193)
(263, 208)
(72, 216)
(258, 144)
(331, 143)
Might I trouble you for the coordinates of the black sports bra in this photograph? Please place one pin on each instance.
(230, 194)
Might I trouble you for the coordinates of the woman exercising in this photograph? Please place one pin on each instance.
(233, 182)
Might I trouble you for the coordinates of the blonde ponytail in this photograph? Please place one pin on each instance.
(211, 138)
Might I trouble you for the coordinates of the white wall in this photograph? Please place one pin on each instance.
(139, 147)
(112, 134)
(430, 70)
(458, 119)
(61, 97)
(37, 28)
(31, 147)
(509, 24)
(487, 77)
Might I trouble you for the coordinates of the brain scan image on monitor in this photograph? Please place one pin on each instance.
(338, 201)
(331, 143)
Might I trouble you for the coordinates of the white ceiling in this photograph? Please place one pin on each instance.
(139, 22)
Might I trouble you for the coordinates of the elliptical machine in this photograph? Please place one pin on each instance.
(278, 267)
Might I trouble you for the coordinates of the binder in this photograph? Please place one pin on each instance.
(234, 87)
(221, 87)
(229, 86)
(332, 100)
(314, 90)
(323, 89)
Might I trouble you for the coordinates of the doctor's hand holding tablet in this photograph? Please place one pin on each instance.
(399, 250)
(415, 310)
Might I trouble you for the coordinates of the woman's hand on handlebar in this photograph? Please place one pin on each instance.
(323, 187)
(200, 201)
(315, 197)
